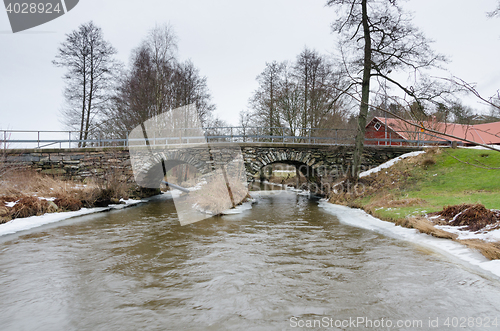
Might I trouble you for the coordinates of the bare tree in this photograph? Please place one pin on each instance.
(377, 38)
(189, 87)
(89, 60)
(306, 68)
(156, 83)
(215, 126)
(265, 99)
(321, 83)
(244, 123)
(161, 44)
(290, 100)
(303, 94)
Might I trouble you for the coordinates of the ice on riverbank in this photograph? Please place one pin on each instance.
(27, 223)
(493, 236)
(359, 218)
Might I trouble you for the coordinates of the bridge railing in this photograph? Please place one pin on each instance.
(18, 139)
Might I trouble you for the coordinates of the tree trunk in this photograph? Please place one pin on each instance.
(271, 101)
(89, 104)
(365, 96)
(83, 104)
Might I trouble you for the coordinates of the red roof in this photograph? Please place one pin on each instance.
(488, 133)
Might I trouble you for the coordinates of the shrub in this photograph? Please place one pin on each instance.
(426, 163)
(31, 206)
(68, 203)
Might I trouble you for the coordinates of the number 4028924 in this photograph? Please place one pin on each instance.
(32, 8)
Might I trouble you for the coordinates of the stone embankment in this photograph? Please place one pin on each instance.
(73, 164)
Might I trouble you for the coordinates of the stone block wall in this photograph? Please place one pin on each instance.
(76, 164)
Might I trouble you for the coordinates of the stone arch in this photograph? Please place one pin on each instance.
(150, 171)
(304, 160)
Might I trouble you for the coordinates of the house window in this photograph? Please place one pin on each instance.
(377, 126)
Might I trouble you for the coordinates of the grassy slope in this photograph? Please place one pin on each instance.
(429, 187)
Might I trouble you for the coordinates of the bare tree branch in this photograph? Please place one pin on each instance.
(482, 166)
(472, 89)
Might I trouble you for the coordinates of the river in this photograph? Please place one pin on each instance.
(281, 265)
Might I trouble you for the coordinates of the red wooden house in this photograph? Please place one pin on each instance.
(392, 131)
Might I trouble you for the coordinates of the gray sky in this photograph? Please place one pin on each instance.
(229, 41)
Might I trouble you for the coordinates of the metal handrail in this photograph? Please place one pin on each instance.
(317, 136)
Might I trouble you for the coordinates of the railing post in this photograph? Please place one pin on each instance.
(38, 140)
(69, 139)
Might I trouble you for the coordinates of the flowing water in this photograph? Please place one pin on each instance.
(283, 264)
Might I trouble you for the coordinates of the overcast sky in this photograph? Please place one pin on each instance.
(229, 41)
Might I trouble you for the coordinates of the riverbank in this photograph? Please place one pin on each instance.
(25, 193)
(415, 192)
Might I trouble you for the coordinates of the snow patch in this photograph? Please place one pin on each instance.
(11, 204)
(48, 199)
(491, 236)
(497, 147)
(239, 209)
(389, 163)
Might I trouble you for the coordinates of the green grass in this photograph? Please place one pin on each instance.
(447, 182)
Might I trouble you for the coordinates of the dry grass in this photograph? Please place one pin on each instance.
(389, 201)
(425, 226)
(491, 250)
(32, 206)
(68, 203)
(26, 186)
(108, 190)
(29, 182)
(4, 214)
(406, 202)
(376, 185)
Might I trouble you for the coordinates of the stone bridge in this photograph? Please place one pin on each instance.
(313, 161)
